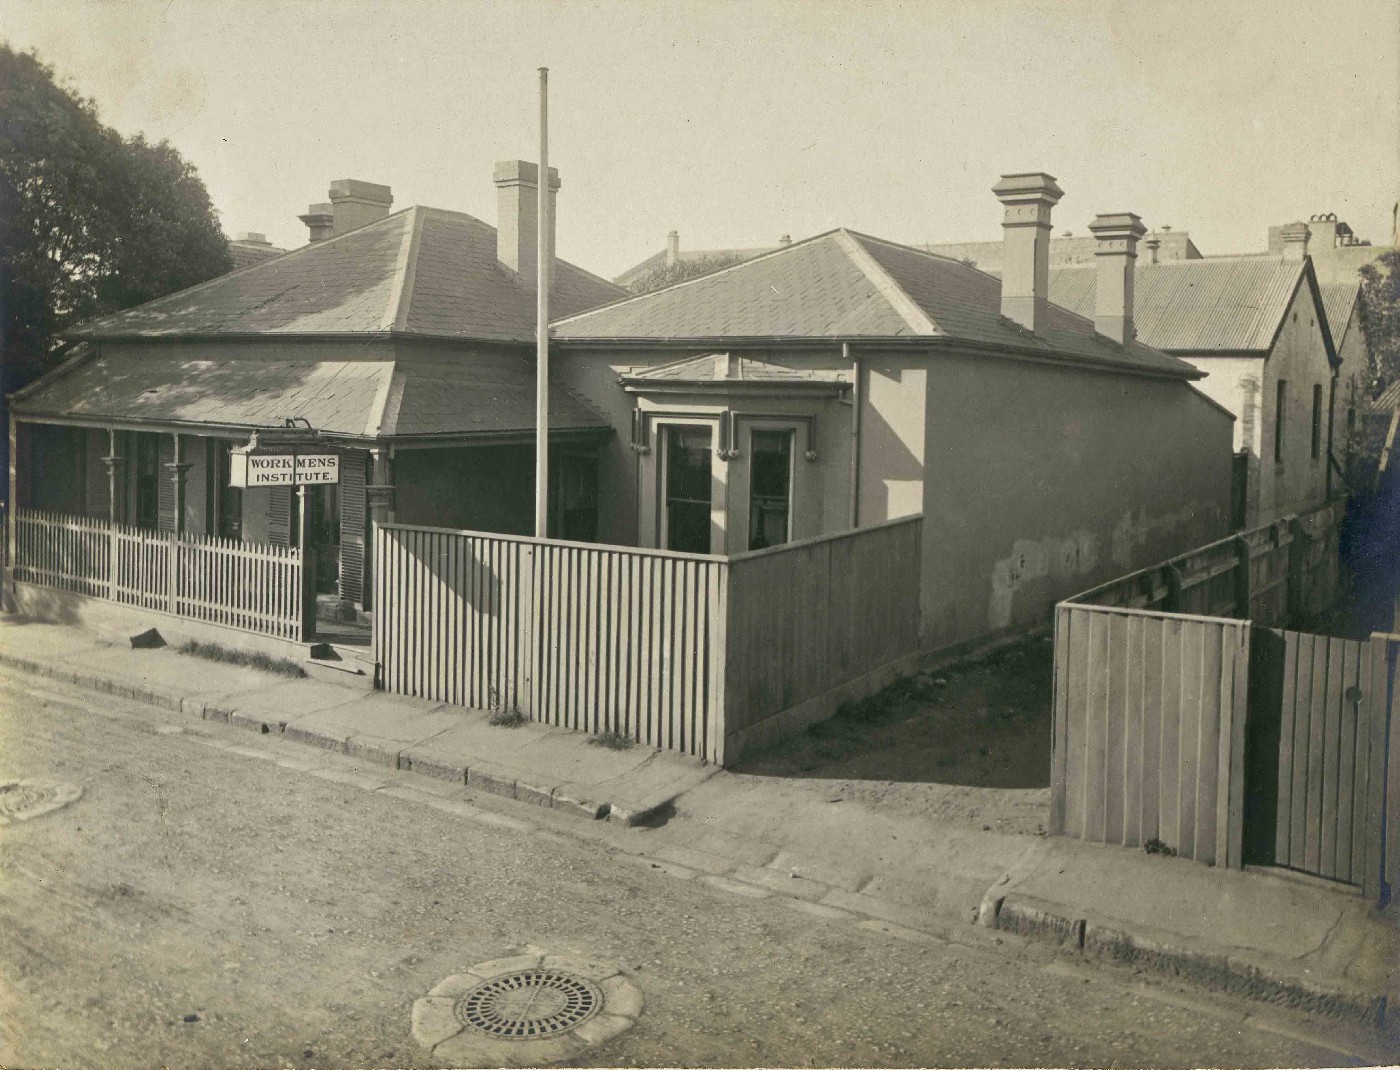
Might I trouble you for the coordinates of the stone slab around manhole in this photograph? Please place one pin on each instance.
(528, 1010)
(23, 800)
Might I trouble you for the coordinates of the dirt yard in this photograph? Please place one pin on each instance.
(969, 743)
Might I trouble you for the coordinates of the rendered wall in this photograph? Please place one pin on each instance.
(1043, 481)
(483, 488)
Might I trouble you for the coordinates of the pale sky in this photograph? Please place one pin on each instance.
(737, 122)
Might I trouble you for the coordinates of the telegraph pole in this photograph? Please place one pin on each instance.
(543, 257)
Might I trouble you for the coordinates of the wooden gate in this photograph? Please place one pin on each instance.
(1320, 712)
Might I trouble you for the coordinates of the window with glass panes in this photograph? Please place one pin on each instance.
(687, 475)
(770, 488)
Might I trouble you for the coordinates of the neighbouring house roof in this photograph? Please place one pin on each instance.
(422, 271)
(845, 286)
(1388, 400)
(1222, 304)
(1339, 299)
(246, 254)
(1064, 251)
(356, 398)
(656, 260)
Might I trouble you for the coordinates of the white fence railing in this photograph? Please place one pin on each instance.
(250, 586)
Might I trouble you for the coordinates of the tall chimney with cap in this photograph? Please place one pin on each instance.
(1294, 238)
(319, 221)
(673, 248)
(1025, 270)
(1117, 235)
(355, 203)
(1153, 244)
(517, 223)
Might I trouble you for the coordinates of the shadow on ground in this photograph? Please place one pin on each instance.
(981, 723)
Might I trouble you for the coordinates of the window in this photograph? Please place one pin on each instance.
(147, 473)
(770, 489)
(1317, 423)
(687, 494)
(1279, 403)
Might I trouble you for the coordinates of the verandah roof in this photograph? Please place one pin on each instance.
(356, 398)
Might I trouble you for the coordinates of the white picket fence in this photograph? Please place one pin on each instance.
(250, 586)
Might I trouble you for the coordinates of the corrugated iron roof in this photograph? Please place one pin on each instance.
(1338, 299)
(1229, 304)
(421, 271)
(844, 285)
(362, 398)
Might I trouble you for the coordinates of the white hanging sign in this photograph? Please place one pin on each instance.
(250, 469)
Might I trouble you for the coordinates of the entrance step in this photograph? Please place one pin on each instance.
(351, 667)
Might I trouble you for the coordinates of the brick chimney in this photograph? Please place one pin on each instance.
(1153, 244)
(252, 237)
(1025, 269)
(355, 203)
(673, 248)
(1294, 240)
(1117, 235)
(517, 223)
(785, 241)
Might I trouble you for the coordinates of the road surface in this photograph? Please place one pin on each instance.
(219, 899)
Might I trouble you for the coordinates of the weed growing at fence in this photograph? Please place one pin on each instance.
(254, 659)
(613, 740)
(511, 718)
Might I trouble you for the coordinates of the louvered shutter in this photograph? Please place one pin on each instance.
(352, 525)
(98, 497)
(165, 486)
(279, 516)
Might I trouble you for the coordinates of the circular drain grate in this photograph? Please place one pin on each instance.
(528, 1004)
(21, 800)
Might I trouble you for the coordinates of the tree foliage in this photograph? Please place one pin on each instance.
(90, 222)
(1379, 303)
(659, 275)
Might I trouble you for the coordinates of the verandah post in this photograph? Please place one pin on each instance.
(112, 460)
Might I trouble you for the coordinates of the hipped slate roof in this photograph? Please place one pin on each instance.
(717, 368)
(1224, 304)
(360, 398)
(421, 271)
(844, 286)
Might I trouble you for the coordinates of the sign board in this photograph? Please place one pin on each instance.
(266, 469)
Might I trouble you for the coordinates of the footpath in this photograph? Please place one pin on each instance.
(1284, 939)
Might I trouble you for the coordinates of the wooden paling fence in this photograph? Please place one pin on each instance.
(1228, 743)
(681, 652)
(250, 586)
(1281, 572)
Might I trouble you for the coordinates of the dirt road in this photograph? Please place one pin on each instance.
(218, 899)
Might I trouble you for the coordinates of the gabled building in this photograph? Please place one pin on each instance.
(1258, 327)
(404, 339)
(846, 380)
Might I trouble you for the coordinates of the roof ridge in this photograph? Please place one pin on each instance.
(895, 294)
(396, 315)
(929, 253)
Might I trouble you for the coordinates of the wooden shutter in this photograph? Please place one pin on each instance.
(279, 516)
(97, 500)
(165, 485)
(352, 525)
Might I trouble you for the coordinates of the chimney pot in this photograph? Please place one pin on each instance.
(1294, 239)
(786, 239)
(517, 222)
(673, 248)
(1153, 244)
(1117, 235)
(1025, 279)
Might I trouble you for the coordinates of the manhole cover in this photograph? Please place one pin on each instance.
(21, 800)
(527, 1004)
(527, 1010)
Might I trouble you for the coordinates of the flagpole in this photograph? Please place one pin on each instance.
(544, 253)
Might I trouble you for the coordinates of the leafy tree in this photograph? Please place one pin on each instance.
(654, 278)
(1380, 318)
(90, 222)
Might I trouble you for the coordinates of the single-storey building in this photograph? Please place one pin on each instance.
(404, 339)
(847, 380)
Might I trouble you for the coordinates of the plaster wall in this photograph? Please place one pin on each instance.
(1044, 481)
(480, 488)
(892, 395)
(1297, 482)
